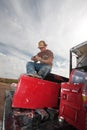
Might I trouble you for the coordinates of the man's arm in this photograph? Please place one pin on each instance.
(49, 60)
(34, 58)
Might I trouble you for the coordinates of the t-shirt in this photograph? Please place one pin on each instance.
(46, 54)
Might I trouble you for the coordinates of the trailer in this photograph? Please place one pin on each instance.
(55, 103)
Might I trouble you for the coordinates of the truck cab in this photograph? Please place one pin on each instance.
(72, 105)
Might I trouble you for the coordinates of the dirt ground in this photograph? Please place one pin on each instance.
(3, 88)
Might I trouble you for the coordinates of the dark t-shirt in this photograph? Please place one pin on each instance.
(46, 54)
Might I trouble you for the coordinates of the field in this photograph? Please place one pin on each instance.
(4, 85)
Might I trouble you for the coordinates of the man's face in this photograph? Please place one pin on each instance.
(42, 48)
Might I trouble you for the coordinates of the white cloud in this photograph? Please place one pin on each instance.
(11, 67)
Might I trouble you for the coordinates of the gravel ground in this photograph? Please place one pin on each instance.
(3, 88)
(0, 125)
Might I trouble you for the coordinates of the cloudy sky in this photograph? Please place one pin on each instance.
(61, 23)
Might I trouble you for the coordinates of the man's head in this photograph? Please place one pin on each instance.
(42, 44)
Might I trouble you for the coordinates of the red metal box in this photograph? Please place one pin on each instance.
(35, 93)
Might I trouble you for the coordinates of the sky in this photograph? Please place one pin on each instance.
(62, 24)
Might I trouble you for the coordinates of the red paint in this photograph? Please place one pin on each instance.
(71, 105)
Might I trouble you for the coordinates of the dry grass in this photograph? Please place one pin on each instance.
(6, 80)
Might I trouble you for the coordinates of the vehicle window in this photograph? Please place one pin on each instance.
(78, 77)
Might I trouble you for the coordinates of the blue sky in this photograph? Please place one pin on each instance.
(61, 23)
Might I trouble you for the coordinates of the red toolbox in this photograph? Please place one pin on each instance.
(35, 93)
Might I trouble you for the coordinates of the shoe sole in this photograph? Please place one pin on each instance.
(36, 76)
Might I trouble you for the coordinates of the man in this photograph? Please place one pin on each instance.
(41, 64)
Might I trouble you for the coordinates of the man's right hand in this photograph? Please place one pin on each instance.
(34, 58)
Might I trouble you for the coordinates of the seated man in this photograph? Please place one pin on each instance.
(41, 64)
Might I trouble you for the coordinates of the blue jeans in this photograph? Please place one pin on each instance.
(39, 68)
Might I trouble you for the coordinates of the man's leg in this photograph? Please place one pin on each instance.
(44, 70)
(30, 68)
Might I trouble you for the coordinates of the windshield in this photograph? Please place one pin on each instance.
(78, 76)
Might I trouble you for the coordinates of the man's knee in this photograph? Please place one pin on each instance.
(29, 63)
